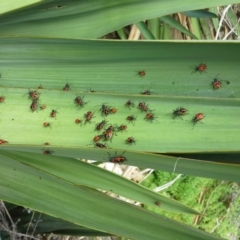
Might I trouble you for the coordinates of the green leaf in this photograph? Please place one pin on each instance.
(112, 73)
(80, 173)
(200, 14)
(12, 5)
(42, 192)
(174, 23)
(207, 169)
(90, 18)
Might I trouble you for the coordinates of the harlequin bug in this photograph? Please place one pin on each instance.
(198, 117)
(117, 158)
(77, 121)
(2, 99)
(216, 84)
(143, 107)
(47, 124)
(130, 140)
(150, 117)
(99, 145)
(200, 68)
(47, 152)
(129, 104)
(105, 110)
(79, 101)
(97, 138)
(122, 127)
(147, 92)
(178, 112)
(108, 134)
(46, 143)
(141, 73)
(113, 110)
(3, 141)
(42, 107)
(66, 87)
(88, 116)
(34, 105)
(53, 113)
(99, 126)
(34, 95)
(132, 119)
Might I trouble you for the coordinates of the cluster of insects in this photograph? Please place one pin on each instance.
(106, 130)
(201, 68)
(216, 83)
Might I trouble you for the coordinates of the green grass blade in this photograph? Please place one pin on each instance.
(200, 14)
(12, 5)
(90, 19)
(29, 187)
(174, 23)
(145, 31)
(80, 173)
(207, 169)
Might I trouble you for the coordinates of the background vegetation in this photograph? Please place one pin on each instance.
(40, 52)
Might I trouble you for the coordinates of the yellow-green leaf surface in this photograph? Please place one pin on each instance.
(90, 18)
(42, 192)
(80, 173)
(12, 5)
(109, 68)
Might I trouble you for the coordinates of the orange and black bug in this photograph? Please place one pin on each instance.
(150, 117)
(2, 99)
(47, 152)
(99, 126)
(46, 124)
(46, 143)
(97, 138)
(66, 87)
(117, 158)
(34, 95)
(108, 134)
(105, 110)
(3, 141)
(42, 107)
(40, 87)
(178, 112)
(200, 68)
(79, 101)
(147, 92)
(34, 105)
(143, 107)
(132, 119)
(129, 104)
(113, 110)
(100, 145)
(130, 140)
(198, 117)
(77, 121)
(53, 113)
(216, 84)
(88, 116)
(122, 127)
(141, 73)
